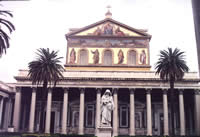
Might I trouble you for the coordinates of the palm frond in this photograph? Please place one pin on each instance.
(46, 67)
(4, 38)
(5, 13)
(8, 24)
(4, 42)
(171, 64)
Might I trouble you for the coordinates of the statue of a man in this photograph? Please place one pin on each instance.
(107, 105)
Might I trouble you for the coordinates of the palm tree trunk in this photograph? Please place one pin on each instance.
(42, 119)
(172, 105)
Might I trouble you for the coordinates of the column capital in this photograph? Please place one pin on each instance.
(98, 90)
(115, 90)
(66, 89)
(50, 89)
(180, 91)
(34, 89)
(82, 90)
(132, 90)
(148, 90)
(164, 90)
(197, 91)
(18, 89)
(2, 97)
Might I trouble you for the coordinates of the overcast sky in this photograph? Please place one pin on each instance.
(44, 23)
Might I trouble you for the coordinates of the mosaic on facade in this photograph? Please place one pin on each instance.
(95, 56)
(109, 42)
(143, 57)
(72, 56)
(120, 56)
(109, 29)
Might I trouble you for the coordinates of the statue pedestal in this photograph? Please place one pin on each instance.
(104, 131)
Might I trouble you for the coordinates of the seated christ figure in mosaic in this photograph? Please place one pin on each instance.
(107, 106)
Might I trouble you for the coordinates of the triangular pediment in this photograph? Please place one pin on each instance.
(108, 27)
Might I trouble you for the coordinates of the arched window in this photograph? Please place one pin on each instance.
(132, 57)
(83, 57)
(107, 57)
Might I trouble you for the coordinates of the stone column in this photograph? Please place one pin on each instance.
(5, 119)
(1, 110)
(132, 113)
(10, 111)
(165, 113)
(64, 114)
(17, 109)
(182, 113)
(197, 111)
(48, 111)
(149, 119)
(98, 111)
(32, 110)
(115, 113)
(81, 112)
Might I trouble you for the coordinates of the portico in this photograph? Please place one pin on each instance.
(6, 106)
(80, 109)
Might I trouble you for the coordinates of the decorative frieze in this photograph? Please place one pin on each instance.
(112, 43)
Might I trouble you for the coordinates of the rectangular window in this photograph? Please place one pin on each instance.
(123, 116)
(90, 116)
(137, 120)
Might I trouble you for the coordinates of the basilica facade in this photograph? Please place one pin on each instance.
(107, 55)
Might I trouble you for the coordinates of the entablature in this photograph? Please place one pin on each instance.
(102, 79)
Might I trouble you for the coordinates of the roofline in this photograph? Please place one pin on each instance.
(110, 37)
(105, 66)
(114, 79)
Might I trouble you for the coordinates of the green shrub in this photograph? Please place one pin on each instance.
(10, 134)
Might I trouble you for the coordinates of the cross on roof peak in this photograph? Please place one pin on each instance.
(108, 13)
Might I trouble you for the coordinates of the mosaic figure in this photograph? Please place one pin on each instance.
(72, 56)
(120, 57)
(97, 31)
(143, 57)
(108, 29)
(95, 56)
(118, 32)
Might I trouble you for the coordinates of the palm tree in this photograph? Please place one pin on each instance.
(45, 70)
(4, 37)
(171, 67)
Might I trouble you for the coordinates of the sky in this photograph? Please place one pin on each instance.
(44, 23)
